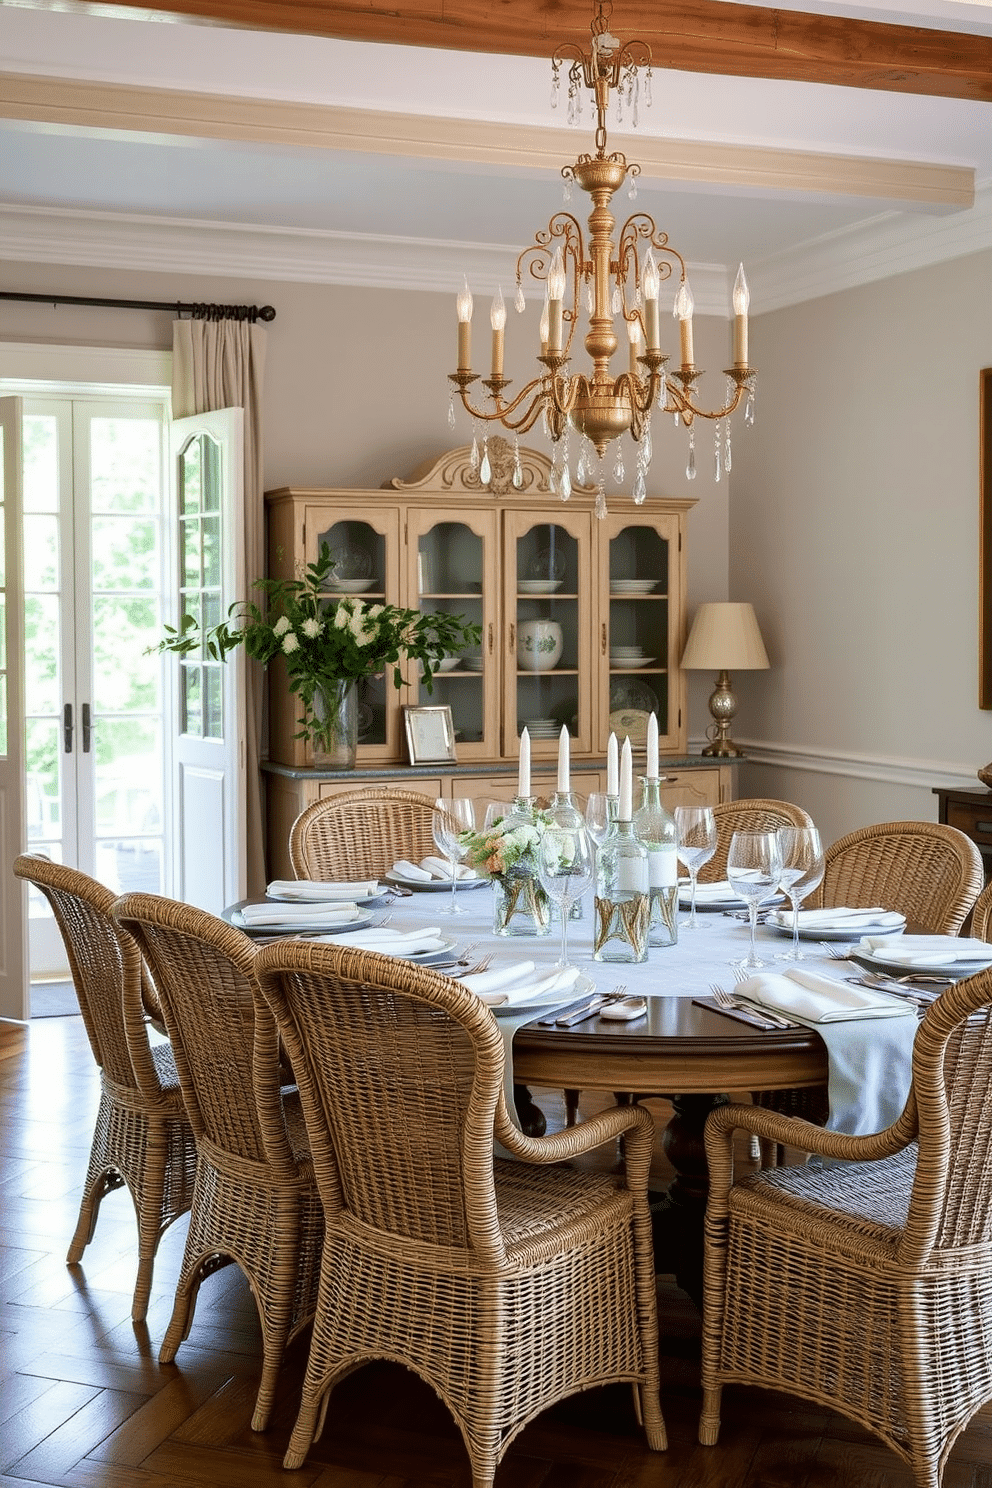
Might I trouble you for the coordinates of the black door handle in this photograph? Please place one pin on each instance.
(67, 728)
(87, 729)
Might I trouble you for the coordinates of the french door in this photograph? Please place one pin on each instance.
(95, 576)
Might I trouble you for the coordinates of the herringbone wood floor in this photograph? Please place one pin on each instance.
(85, 1404)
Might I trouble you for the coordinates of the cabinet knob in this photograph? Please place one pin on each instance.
(491, 638)
(602, 643)
(511, 645)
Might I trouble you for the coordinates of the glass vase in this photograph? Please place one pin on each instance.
(335, 731)
(520, 905)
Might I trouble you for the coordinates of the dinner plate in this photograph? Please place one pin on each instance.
(632, 586)
(434, 885)
(731, 902)
(581, 987)
(349, 586)
(303, 927)
(959, 970)
(823, 932)
(622, 663)
(538, 586)
(427, 958)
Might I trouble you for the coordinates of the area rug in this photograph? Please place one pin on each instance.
(53, 1000)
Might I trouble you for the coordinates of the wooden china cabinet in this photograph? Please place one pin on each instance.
(582, 621)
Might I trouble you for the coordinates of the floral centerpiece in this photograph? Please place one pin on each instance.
(505, 851)
(328, 643)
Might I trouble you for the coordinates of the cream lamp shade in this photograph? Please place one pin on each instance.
(724, 637)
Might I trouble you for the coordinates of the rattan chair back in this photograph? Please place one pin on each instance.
(142, 1137)
(255, 1201)
(505, 1286)
(752, 814)
(981, 914)
(361, 834)
(929, 872)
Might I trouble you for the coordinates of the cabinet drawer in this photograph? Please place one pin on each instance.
(974, 821)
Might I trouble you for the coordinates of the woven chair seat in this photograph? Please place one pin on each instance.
(525, 1215)
(869, 1200)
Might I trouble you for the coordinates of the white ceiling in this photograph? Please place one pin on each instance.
(312, 206)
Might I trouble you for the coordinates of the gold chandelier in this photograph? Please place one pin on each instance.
(611, 280)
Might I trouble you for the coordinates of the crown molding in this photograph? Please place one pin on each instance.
(891, 769)
(68, 102)
(886, 246)
(889, 244)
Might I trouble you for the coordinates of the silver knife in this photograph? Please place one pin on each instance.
(587, 1009)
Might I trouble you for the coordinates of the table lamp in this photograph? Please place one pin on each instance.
(724, 638)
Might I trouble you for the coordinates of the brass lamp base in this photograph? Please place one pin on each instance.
(723, 706)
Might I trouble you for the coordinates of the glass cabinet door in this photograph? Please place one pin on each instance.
(638, 640)
(452, 557)
(365, 549)
(547, 654)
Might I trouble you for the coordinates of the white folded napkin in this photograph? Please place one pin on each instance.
(926, 950)
(394, 942)
(403, 868)
(513, 986)
(839, 919)
(300, 916)
(441, 868)
(710, 893)
(820, 999)
(309, 891)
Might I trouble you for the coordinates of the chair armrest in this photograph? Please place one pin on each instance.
(792, 1131)
(631, 1122)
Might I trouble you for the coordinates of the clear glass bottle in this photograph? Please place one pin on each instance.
(566, 811)
(655, 828)
(520, 905)
(623, 902)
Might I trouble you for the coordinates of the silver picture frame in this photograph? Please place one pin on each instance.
(430, 734)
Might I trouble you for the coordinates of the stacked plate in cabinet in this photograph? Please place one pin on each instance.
(623, 658)
(632, 586)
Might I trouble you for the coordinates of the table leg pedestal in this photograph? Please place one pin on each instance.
(677, 1216)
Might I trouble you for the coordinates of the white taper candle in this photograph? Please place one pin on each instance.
(613, 766)
(625, 810)
(563, 761)
(652, 766)
(523, 768)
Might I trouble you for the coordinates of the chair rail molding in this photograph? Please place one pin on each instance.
(892, 769)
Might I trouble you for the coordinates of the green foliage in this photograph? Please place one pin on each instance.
(322, 639)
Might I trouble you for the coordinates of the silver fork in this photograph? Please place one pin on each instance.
(730, 999)
(834, 951)
(481, 965)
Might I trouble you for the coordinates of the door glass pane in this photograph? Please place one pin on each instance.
(547, 631)
(45, 760)
(638, 625)
(450, 567)
(201, 573)
(359, 554)
(3, 614)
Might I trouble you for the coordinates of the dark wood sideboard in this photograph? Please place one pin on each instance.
(971, 812)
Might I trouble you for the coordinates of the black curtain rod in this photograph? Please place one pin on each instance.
(199, 312)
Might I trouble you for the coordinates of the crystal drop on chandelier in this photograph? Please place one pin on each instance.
(632, 189)
(726, 450)
(580, 468)
(565, 489)
(474, 456)
(566, 191)
(451, 411)
(616, 304)
(717, 446)
(519, 303)
(618, 470)
(640, 488)
(518, 471)
(601, 499)
(749, 409)
(485, 469)
(590, 299)
(690, 469)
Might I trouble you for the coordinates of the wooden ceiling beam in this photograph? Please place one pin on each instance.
(707, 36)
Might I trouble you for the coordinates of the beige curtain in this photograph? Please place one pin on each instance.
(221, 364)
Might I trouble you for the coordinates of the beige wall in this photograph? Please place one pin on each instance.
(854, 530)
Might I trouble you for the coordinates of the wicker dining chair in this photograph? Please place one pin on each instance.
(142, 1138)
(752, 814)
(506, 1285)
(865, 1286)
(361, 833)
(255, 1201)
(929, 872)
(981, 914)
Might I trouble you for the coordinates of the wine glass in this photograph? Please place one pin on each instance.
(802, 871)
(452, 817)
(601, 813)
(696, 828)
(564, 866)
(754, 868)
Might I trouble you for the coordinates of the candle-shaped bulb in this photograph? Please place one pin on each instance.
(742, 298)
(626, 805)
(556, 277)
(634, 337)
(652, 762)
(463, 306)
(684, 303)
(545, 324)
(742, 295)
(497, 315)
(612, 766)
(650, 278)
